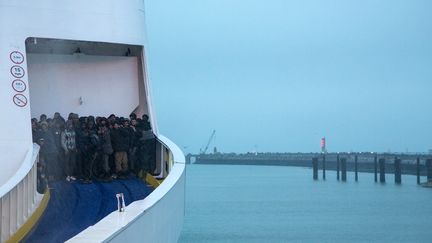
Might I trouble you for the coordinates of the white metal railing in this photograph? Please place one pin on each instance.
(18, 195)
(157, 218)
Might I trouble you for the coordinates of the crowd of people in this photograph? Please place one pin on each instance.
(89, 148)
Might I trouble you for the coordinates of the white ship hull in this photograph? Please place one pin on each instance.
(74, 56)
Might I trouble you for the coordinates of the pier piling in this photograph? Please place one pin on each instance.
(418, 170)
(397, 171)
(376, 168)
(337, 166)
(382, 170)
(344, 169)
(429, 170)
(315, 168)
(324, 167)
(356, 167)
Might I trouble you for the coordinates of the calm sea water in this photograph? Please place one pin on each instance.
(283, 204)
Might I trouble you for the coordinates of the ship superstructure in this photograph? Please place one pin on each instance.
(86, 57)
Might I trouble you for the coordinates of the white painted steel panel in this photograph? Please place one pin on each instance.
(17, 203)
(105, 84)
(111, 21)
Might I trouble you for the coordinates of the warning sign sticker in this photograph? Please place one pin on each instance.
(19, 86)
(17, 71)
(16, 57)
(20, 100)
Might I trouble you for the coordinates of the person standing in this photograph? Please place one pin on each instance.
(68, 142)
(120, 144)
(82, 143)
(107, 150)
(48, 151)
(57, 129)
(35, 130)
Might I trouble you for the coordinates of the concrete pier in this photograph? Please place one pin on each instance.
(324, 167)
(356, 167)
(398, 171)
(344, 169)
(429, 170)
(337, 166)
(315, 168)
(382, 170)
(376, 168)
(418, 170)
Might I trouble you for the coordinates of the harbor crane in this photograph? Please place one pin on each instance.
(208, 143)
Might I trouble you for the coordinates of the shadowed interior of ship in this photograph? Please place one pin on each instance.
(74, 206)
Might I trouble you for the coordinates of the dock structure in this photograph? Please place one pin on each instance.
(429, 170)
(377, 163)
(356, 167)
(315, 168)
(343, 163)
(376, 168)
(337, 167)
(418, 170)
(382, 170)
(398, 171)
(324, 166)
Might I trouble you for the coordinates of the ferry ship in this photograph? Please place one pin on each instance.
(86, 57)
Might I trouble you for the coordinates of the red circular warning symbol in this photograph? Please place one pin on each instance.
(17, 71)
(19, 86)
(16, 57)
(20, 100)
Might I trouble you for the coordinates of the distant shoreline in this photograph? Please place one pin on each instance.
(365, 161)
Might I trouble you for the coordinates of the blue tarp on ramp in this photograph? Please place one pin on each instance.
(75, 206)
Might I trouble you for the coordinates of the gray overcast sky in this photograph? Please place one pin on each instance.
(278, 75)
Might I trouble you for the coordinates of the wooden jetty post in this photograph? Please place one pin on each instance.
(344, 169)
(376, 168)
(382, 170)
(356, 167)
(418, 170)
(397, 171)
(429, 170)
(337, 167)
(315, 168)
(324, 167)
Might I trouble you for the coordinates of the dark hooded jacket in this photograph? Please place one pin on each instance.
(120, 140)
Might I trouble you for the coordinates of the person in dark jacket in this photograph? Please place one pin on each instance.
(57, 128)
(147, 149)
(48, 151)
(132, 152)
(87, 142)
(120, 143)
(35, 130)
(82, 143)
(107, 150)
